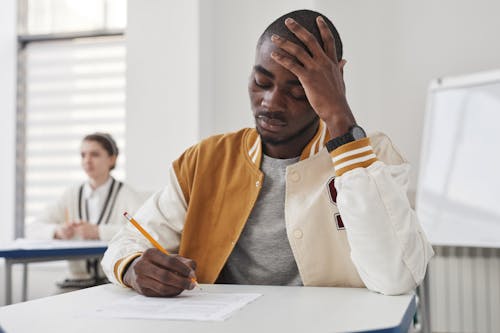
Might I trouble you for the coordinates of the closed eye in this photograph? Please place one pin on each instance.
(298, 93)
(261, 84)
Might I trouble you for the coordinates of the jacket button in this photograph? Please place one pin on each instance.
(294, 176)
(297, 233)
(257, 183)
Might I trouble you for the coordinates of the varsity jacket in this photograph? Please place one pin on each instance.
(120, 198)
(348, 218)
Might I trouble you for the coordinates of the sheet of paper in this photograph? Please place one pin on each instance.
(190, 305)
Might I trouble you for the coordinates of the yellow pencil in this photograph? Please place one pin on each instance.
(151, 239)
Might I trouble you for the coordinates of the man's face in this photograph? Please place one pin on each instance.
(279, 104)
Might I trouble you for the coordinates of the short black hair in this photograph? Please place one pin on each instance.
(306, 18)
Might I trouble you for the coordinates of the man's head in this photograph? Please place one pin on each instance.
(307, 18)
(283, 115)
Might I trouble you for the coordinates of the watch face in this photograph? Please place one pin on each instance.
(358, 132)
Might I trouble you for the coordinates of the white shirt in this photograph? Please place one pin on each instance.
(95, 199)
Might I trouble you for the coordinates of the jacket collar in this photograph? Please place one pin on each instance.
(253, 144)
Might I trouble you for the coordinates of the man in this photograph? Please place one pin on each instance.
(273, 205)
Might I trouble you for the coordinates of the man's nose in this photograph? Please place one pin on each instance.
(273, 100)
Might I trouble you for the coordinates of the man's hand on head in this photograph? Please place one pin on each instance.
(158, 275)
(319, 72)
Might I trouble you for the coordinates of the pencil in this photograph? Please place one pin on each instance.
(151, 239)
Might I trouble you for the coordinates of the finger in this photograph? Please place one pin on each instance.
(186, 261)
(169, 262)
(291, 48)
(66, 228)
(163, 280)
(305, 36)
(288, 63)
(147, 292)
(148, 275)
(139, 277)
(156, 293)
(151, 291)
(328, 39)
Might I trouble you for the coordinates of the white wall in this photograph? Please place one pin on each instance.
(394, 48)
(162, 87)
(8, 51)
(188, 63)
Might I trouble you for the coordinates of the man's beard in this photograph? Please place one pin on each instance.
(284, 141)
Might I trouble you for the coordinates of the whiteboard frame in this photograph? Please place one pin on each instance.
(440, 84)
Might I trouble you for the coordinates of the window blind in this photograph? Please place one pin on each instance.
(72, 88)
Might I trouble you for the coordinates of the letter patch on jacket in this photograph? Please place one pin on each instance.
(332, 191)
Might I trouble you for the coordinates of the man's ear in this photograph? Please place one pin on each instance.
(342, 63)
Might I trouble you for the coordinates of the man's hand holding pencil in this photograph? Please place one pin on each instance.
(157, 273)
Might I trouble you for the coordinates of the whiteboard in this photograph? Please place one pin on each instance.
(458, 191)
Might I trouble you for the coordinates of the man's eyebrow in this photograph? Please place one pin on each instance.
(263, 71)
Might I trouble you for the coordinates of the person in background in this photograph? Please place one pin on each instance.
(89, 211)
(303, 198)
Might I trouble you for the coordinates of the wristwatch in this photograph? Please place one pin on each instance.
(354, 133)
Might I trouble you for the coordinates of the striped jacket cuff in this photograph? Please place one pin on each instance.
(122, 264)
(356, 154)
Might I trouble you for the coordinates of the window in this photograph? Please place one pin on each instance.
(63, 16)
(72, 83)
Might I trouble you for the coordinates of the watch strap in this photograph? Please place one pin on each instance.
(339, 141)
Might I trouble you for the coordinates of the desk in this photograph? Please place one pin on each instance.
(24, 252)
(279, 309)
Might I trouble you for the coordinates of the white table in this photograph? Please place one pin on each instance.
(27, 251)
(279, 309)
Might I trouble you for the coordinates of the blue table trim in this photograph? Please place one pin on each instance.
(405, 323)
(41, 253)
